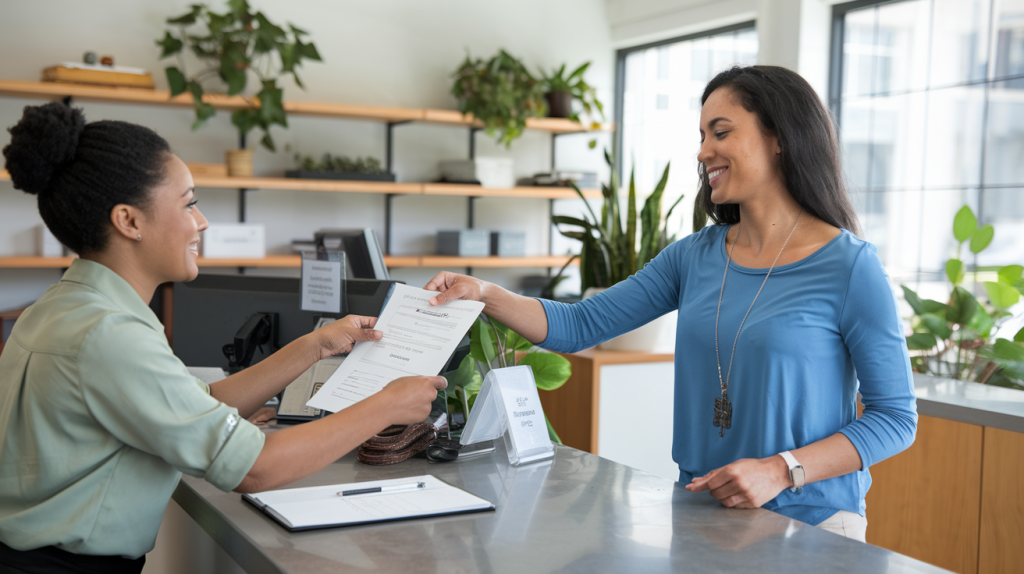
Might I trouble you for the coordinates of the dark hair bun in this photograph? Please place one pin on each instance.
(45, 139)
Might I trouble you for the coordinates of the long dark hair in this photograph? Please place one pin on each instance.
(81, 171)
(788, 107)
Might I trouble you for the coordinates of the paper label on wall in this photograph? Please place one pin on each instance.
(418, 340)
(321, 285)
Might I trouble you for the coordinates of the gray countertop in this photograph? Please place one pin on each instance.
(576, 513)
(970, 403)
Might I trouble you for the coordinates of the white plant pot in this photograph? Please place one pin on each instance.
(656, 336)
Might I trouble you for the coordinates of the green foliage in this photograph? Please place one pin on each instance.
(955, 338)
(339, 164)
(493, 345)
(500, 92)
(232, 45)
(609, 252)
(581, 91)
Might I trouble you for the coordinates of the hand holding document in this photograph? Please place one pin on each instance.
(418, 339)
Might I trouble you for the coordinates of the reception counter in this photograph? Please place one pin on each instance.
(576, 513)
(955, 498)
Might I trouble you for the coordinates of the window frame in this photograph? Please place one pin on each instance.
(620, 77)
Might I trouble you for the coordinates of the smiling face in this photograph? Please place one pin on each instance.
(740, 158)
(171, 226)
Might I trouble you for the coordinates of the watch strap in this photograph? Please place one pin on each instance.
(796, 471)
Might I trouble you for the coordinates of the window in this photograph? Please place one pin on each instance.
(929, 97)
(658, 108)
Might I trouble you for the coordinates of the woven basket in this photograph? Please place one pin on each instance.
(239, 162)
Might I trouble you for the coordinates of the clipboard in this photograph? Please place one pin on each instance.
(312, 508)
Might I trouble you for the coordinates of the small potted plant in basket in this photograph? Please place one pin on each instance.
(233, 45)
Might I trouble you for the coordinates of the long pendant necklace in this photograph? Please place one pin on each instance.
(723, 408)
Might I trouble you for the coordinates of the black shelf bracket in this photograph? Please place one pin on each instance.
(388, 206)
(389, 144)
(472, 142)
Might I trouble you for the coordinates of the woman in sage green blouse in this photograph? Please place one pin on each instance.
(98, 418)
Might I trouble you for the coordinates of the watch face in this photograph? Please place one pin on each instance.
(798, 476)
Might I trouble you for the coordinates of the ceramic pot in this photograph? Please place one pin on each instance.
(656, 336)
(559, 104)
(239, 162)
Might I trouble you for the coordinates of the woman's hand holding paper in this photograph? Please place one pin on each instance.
(339, 337)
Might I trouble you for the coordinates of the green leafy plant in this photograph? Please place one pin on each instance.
(610, 251)
(500, 92)
(339, 164)
(956, 338)
(493, 345)
(234, 44)
(575, 85)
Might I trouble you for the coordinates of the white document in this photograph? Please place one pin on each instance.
(321, 506)
(418, 339)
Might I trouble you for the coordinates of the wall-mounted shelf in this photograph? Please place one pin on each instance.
(378, 187)
(18, 88)
(294, 262)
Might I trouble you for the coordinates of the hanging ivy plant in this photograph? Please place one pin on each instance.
(501, 93)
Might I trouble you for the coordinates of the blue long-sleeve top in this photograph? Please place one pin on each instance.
(823, 329)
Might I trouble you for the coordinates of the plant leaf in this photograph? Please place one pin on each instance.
(965, 225)
(176, 80)
(551, 432)
(955, 271)
(962, 306)
(467, 375)
(1008, 350)
(936, 325)
(982, 238)
(245, 119)
(921, 342)
(170, 45)
(1001, 295)
(550, 371)
(187, 19)
(482, 346)
(1010, 274)
(1019, 337)
(921, 306)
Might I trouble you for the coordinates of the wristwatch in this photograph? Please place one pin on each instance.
(796, 472)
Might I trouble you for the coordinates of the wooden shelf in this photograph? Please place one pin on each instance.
(294, 262)
(295, 184)
(493, 262)
(379, 187)
(48, 90)
(461, 189)
(35, 262)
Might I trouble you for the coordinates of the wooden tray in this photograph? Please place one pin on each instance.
(96, 77)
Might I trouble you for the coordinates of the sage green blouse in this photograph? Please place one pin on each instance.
(98, 419)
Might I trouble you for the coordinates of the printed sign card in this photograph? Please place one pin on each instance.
(321, 282)
(508, 404)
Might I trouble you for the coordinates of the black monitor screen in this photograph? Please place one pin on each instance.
(211, 309)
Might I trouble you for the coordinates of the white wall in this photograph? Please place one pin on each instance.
(396, 53)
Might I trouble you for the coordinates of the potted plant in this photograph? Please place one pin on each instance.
(957, 338)
(493, 345)
(609, 252)
(339, 167)
(560, 91)
(500, 92)
(234, 44)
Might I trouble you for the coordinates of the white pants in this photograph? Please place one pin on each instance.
(848, 524)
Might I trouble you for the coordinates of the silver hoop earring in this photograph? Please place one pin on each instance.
(138, 237)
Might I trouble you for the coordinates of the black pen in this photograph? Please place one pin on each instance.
(391, 488)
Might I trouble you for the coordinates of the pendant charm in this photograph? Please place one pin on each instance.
(723, 414)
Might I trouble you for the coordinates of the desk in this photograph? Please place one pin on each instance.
(576, 513)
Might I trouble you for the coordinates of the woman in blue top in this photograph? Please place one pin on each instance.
(784, 315)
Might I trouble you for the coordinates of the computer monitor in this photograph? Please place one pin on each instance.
(365, 258)
(209, 311)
